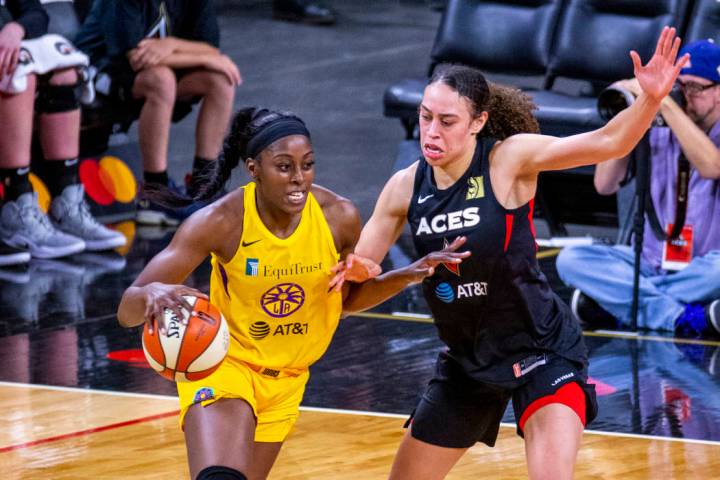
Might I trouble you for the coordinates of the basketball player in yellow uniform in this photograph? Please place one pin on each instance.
(272, 244)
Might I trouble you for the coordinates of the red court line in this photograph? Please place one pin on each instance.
(89, 431)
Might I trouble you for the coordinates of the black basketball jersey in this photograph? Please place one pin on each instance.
(495, 311)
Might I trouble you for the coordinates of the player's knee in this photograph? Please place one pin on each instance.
(218, 472)
(57, 99)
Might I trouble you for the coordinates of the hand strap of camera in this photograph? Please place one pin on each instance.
(681, 201)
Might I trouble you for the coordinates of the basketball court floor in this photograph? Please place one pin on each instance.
(78, 400)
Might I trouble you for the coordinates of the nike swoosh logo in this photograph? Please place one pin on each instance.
(423, 199)
(247, 244)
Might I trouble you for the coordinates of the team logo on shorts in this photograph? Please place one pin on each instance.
(283, 299)
(259, 330)
(445, 292)
(202, 394)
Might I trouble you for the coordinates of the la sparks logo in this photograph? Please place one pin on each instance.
(453, 267)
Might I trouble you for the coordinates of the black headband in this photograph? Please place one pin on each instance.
(274, 130)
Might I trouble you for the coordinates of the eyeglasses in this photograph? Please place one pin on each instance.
(693, 88)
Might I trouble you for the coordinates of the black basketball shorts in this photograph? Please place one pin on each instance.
(457, 411)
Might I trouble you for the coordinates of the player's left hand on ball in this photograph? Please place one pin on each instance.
(354, 269)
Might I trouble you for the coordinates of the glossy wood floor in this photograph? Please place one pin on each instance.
(52, 433)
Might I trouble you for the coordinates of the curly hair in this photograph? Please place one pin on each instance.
(509, 109)
(510, 112)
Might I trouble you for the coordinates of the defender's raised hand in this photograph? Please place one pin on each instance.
(658, 76)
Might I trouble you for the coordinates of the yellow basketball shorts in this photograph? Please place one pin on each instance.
(274, 395)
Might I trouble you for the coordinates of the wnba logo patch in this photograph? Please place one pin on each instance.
(445, 292)
(204, 393)
(259, 330)
(251, 267)
(475, 188)
(283, 299)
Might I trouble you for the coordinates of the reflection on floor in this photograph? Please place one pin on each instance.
(58, 327)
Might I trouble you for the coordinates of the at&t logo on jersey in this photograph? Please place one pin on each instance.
(445, 292)
(259, 330)
(447, 222)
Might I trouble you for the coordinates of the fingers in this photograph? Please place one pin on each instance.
(668, 41)
(337, 282)
(338, 267)
(149, 319)
(637, 63)
(675, 49)
(681, 63)
(661, 39)
(14, 56)
(3, 62)
(457, 243)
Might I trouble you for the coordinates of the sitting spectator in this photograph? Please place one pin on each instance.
(162, 58)
(23, 225)
(679, 287)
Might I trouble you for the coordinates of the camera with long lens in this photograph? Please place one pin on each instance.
(613, 100)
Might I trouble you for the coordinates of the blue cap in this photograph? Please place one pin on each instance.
(704, 60)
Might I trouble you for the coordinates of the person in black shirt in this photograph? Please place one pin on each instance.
(162, 56)
(508, 335)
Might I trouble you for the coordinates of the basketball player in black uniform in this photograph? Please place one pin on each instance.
(508, 335)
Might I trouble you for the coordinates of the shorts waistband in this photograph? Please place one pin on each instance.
(276, 372)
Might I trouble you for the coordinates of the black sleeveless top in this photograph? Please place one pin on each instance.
(495, 311)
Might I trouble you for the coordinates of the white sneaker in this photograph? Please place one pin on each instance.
(24, 225)
(71, 214)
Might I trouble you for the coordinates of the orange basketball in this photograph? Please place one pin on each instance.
(188, 352)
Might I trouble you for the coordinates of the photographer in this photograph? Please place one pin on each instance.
(680, 277)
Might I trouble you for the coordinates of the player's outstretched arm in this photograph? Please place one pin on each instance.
(374, 291)
(530, 154)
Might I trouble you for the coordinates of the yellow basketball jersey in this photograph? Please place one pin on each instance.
(274, 292)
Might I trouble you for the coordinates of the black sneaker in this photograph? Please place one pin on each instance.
(712, 315)
(591, 315)
(10, 255)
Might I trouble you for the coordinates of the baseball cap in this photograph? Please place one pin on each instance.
(704, 60)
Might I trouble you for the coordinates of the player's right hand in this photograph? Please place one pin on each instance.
(161, 296)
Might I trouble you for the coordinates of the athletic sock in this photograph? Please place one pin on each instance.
(160, 178)
(60, 174)
(15, 182)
